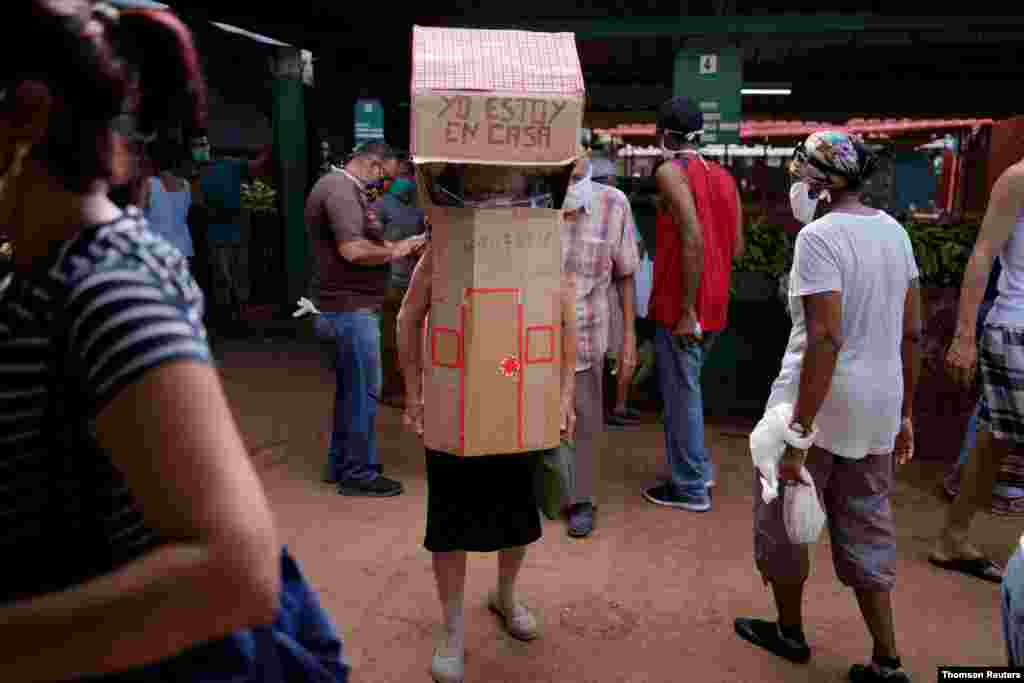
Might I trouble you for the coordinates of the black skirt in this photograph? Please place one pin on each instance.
(483, 503)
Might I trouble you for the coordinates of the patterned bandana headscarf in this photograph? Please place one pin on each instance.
(829, 160)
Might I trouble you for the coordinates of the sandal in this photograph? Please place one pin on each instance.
(768, 635)
(978, 567)
(520, 624)
(883, 670)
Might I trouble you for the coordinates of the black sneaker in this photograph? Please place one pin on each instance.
(663, 495)
(768, 635)
(378, 487)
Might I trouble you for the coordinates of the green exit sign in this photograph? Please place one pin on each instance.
(713, 78)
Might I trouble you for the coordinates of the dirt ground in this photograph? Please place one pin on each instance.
(649, 597)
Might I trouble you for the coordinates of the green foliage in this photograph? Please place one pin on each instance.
(941, 251)
(258, 196)
(765, 248)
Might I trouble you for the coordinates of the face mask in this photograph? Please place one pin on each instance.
(401, 187)
(201, 151)
(580, 194)
(800, 201)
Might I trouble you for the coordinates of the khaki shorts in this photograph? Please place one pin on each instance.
(856, 497)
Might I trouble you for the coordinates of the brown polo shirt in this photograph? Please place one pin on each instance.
(336, 212)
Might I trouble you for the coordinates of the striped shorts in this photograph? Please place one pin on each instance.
(1001, 375)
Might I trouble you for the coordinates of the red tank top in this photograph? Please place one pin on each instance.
(714, 193)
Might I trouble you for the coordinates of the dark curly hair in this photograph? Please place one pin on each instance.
(100, 64)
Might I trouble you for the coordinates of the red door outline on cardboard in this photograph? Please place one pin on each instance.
(534, 345)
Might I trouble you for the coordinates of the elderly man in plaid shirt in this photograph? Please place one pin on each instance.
(599, 247)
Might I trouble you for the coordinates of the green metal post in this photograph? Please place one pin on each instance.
(290, 148)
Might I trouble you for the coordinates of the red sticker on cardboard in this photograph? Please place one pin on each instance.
(510, 367)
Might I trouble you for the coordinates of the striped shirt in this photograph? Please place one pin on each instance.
(598, 246)
(107, 306)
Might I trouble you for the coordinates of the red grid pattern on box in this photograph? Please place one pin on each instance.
(504, 61)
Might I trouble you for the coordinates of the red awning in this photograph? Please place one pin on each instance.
(755, 130)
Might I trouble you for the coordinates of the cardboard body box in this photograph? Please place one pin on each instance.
(492, 376)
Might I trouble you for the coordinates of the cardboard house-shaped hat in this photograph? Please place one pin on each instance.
(493, 361)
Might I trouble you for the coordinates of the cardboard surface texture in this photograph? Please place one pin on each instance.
(492, 376)
(495, 97)
(492, 380)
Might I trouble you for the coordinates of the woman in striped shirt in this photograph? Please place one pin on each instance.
(133, 525)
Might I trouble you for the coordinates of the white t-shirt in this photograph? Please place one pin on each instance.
(869, 260)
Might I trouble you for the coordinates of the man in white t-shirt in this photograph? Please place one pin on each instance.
(849, 372)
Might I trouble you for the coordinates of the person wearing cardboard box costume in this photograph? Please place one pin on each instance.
(599, 248)
(483, 503)
(849, 373)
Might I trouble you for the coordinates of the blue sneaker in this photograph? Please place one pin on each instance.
(663, 495)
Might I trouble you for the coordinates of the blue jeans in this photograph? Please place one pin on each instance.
(1012, 604)
(301, 645)
(679, 377)
(356, 359)
(970, 436)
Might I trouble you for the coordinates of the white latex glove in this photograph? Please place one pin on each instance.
(306, 307)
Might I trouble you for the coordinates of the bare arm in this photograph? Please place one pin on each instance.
(910, 349)
(740, 247)
(824, 314)
(218, 570)
(367, 253)
(1004, 206)
(674, 187)
(568, 407)
(627, 295)
(410, 328)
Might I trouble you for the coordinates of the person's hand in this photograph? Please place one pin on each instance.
(789, 467)
(412, 417)
(568, 418)
(962, 359)
(627, 361)
(687, 330)
(419, 243)
(904, 449)
(404, 248)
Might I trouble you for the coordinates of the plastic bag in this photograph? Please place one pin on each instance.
(802, 512)
(555, 479)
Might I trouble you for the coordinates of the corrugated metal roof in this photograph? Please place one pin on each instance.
(509, 61)
(795, 129)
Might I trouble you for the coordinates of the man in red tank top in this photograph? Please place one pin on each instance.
(699, 233)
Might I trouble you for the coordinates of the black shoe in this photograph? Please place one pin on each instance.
(885, 669)
(768, 635)
(581, 520)
(378, 487)
(329, 476)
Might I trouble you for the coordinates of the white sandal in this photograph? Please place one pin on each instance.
(449, 669)
(522, 625)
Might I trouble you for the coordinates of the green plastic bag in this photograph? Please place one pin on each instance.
(555, 479)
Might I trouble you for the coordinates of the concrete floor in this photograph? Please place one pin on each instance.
(650, 597)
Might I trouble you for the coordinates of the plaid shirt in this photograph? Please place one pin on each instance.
(598, 246)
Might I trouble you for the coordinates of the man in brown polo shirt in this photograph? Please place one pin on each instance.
(352, 269)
